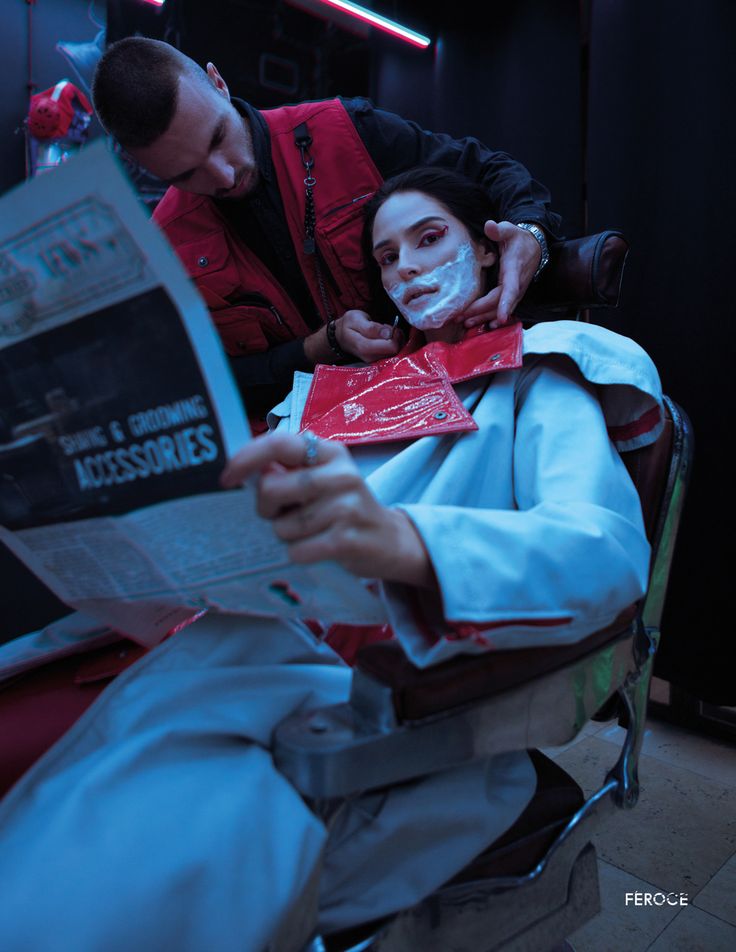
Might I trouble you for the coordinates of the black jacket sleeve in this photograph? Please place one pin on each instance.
(397, 144)
(264, 379)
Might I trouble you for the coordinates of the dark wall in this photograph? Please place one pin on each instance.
(507, 74)
(269, 53)
(661, 161)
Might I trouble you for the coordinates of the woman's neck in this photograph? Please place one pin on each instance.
(449, 333)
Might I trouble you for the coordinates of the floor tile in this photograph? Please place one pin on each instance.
(707, 756)
(680, 833)
(719, 895)
(619, 926)
(696, 931)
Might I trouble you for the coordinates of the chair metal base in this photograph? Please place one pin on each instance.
(478, 917)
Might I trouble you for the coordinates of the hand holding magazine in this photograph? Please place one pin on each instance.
(118, 412)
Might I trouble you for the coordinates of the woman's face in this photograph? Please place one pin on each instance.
(431, 267)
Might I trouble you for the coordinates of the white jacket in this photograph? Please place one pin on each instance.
(159, 821)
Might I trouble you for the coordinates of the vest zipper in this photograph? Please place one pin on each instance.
(257, 300)
(339, 208)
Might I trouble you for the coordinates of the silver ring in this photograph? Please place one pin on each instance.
(311, 447)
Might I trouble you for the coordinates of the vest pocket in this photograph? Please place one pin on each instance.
(339, 236)
(209, 262)
(248, 329)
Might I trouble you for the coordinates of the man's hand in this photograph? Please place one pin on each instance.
(358, 336)
(368, 340)
(520, 255)
(325, 510)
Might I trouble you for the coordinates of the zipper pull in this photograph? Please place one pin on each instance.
(276, 314)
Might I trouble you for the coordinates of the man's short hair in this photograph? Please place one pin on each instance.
(135, 88)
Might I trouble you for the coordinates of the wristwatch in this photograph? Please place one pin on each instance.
(539, 235)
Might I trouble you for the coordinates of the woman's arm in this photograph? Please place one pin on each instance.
(561, 565)
(462, 577)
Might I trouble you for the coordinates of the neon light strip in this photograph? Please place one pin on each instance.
(155, 3)
(389, 26)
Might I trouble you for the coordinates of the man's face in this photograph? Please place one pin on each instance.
(208, 148)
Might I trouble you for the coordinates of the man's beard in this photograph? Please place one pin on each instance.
(232, 193)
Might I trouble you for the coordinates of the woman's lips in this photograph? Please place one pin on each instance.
(416, 293)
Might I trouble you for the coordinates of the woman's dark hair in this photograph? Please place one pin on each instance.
(460, 195)
(135, 88)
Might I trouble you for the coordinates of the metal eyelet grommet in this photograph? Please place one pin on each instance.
(495, 357)
(203, 262)
(440, 415)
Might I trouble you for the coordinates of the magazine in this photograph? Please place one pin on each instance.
(118, 411)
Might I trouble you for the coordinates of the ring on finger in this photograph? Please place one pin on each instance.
(311, 448)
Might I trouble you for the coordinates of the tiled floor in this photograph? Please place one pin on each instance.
(680, 838)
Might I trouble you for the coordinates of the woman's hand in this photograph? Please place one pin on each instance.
(321, 506)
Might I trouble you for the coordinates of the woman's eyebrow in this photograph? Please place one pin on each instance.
(417, 224)
(214, 142)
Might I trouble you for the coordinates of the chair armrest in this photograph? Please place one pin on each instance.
(419, 693)
(582, 273)
(360, 745)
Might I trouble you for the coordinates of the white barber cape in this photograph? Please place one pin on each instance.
(159, 822)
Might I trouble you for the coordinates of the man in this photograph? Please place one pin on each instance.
(265, 209)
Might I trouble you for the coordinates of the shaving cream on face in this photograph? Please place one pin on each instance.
(448, 290)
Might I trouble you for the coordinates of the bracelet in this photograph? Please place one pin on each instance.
(332, 341)
(537, 232)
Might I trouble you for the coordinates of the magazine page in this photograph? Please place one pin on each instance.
(117, 414)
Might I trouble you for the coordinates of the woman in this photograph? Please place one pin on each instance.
(165, 824)
(516, 522)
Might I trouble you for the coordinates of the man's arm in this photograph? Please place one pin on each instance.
(265, 377)
(397, 144)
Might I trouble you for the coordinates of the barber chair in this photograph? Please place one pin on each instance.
(582, 273)
(538, 883)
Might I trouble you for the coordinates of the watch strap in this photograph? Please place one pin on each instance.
(538, 233)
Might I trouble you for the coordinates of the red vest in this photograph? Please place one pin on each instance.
(251, 309)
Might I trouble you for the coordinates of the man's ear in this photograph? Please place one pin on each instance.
(217, 81)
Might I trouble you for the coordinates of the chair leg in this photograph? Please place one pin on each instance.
(634, 694)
